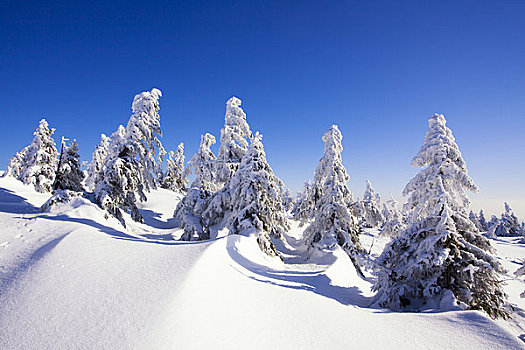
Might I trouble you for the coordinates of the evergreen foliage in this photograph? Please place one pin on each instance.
(175, 178)
(68, 175)
(234, 140)
(96, 166)
(334, 223)
(190, 209)
(440, 251)
(39, 161)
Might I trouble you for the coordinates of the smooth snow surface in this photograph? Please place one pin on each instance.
(71, 279)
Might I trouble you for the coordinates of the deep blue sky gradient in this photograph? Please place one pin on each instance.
(377, 69)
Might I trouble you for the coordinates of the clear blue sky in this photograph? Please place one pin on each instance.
(378, 69)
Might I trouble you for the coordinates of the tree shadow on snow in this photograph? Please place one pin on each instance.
(152, 219)
(114, 233)
(15, 204)
(312, 281)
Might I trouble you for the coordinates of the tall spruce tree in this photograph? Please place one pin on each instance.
(440, 252)
(68, 175)
(482, 221)
(14, 165)
(39, 163)
(251, 200)
(334, 223)
(175, 177)
(369, 209)
(95, 167)
(133, 161)
(120, 182)
(190, 209)
(234, 140)
(142, 137)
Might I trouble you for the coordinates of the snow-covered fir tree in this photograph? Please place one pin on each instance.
(234, 140)
(15, 164)
(190, 209)
(475, 220)
(121, 180)
(394, 220)
(306, 203)
(68, 175)
(369, 209)
(133, 161)
(507, 225)
(175, 177)
(251, 200)
(440, 252)
(142, 137)
(334, 223)
(482, 221)
(39, 163)
(95, 167)
(288, 200)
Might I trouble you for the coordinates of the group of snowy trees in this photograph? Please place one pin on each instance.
(123, 166)
(437, 250)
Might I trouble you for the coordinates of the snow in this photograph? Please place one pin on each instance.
(72, 279)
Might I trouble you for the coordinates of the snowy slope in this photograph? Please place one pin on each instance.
(72, 279)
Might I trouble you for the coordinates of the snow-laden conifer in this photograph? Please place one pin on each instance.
(142, 136)
(306, 203)
(14, 165)
(39, 163)
(253, 200)
(133, 161)
(440, 252)
(394, 220)
(334, 222)
(475, 220)
(121, 179)
(507, 225)
(234, 140)
(482, 221)
(190, 209)
(68, 175)
(95, 167)
(175, 177)
(369, 209)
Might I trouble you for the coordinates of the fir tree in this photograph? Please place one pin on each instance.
(142, 137)
(256, 201)
(175, 177)
(121, 181)
(475, 220)
(234, 140)
(369, 208)
(440, 252)
(95, 167)
(507, 225)
(394, 220)
(482, 221)
(15, 164)
(68, 175)
(133, 161)
(305, 205)
(39, 163)
(250, 202)
(190, 209)
(334, 223)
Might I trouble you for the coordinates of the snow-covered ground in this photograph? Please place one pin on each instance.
(72, 279)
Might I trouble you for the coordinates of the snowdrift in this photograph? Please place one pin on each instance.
(70, 279)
